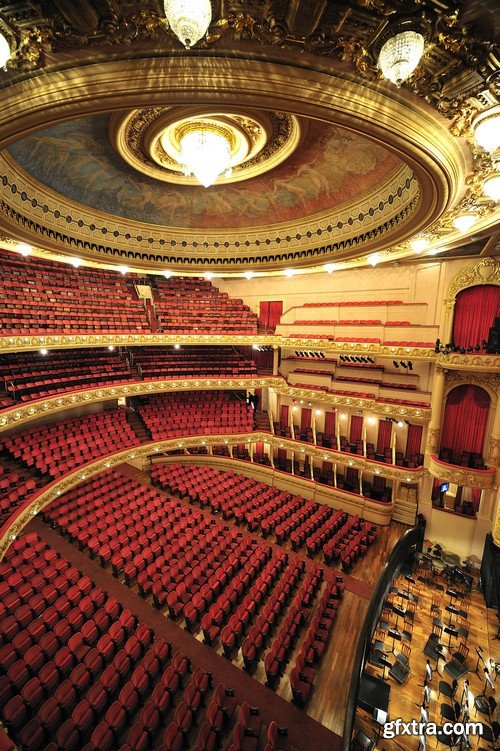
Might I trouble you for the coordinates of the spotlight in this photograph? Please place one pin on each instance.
(410, 366)
(396, 365)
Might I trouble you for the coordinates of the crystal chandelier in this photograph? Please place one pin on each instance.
(205, 152)
(486, 128)
(188, 19)
(5, 53)
(400, 55)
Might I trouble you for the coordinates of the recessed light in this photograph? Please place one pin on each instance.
(76, 262)
(329, 267)
(373, 259)
(111, 348)
(248, 275)
(167, 274)
(208, 275)
(123, 269)
(289, 272)
(464, 222)
(44, 351)
(419, 244)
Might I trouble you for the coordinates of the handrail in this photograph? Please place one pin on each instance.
(412, 537)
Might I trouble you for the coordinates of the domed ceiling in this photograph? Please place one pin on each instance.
(331, 182)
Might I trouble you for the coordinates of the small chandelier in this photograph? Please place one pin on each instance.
(464, 222)
(486, 126)
(205, 152)
(400, 55)
(491, 185)
(188, 19)
(5, 53)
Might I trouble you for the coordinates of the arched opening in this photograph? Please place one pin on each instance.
(464, 426)
(475, 311)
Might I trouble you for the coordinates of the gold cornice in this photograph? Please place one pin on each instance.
(379, 113)
(471, 362)
(22, 414)
(44, 496)
(473, 478)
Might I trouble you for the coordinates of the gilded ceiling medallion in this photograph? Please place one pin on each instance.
(149, 140)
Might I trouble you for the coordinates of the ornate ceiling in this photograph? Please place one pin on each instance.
(336, 163)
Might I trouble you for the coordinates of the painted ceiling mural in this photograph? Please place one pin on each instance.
(330, 168)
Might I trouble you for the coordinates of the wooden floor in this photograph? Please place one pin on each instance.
(405, 700)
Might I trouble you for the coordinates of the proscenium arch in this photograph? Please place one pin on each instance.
(376, 111)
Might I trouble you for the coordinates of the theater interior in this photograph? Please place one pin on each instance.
(249, 375)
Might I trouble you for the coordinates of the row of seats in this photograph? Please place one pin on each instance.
(193, 413)
(58, 448)
(351, 541)
(77, 671)
(31, 375)
(160, 362)
(343, 303)
(186, 305)
(287, 517)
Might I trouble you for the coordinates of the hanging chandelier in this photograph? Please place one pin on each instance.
(5, 53)
(486, 127)
(205, 152)
(400, 55)
(188, 19)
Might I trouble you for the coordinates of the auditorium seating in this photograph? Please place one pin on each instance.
(196, 413)
(186, 305)
(163, 362)
(267, 509)
(79, 672)
(59, 448)
(43, 297)
(15, 488)
(31, 375)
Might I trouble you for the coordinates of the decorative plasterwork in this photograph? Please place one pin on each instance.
(382, 115)
(43, 497)
(473, 478)
(455, 361)
(493, 452)
(433, 439)
(26, 412)
(487, 271)
(60, 341)
(490, 382)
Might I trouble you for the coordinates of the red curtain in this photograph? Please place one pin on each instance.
(475, 311)
(326, 467)
(330, 423)
(270, 313)
(476, 499)
(305, 419)
(384, 435)
(284, 416)
(282, 455)
(259, 448)
(414, 440)
(465, 418)
(356, 430)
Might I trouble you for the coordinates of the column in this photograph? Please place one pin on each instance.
(447, 326)
(275, 359)
(437, 409)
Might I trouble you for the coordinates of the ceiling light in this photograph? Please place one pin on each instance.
(205, 152)
(318, 412)
(419, 244)
(400, 55)
(208, 275)
(371, 420)
(5, 53)
(491, 184)
(123, 269)
(486, 127)
(343, 416)
(24, 249)
(188, 19)
(177, 346)
(289, 272)
(248, 275)
(401, 424)
(463, 222)
(111, 348)
(167, 274)
(373, 259)
(76, 262)
(435, 251)
(329, 267)
(44, 351)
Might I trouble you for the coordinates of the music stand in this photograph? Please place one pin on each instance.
(479, 659)
(394, 634)
(452, 631)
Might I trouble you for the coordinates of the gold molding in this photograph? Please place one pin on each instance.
(473, 478)
(489, 381)
(433, 439)
(486, 271)
(456, 361)
(22, 414)
(42, 498)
